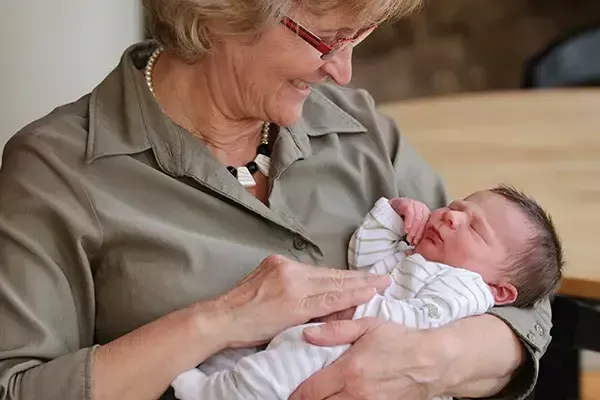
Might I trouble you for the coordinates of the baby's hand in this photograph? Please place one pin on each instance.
(415, 214)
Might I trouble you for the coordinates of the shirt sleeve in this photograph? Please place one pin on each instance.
(378, 237)
(47, 231)
(438, 295)
(532, 326)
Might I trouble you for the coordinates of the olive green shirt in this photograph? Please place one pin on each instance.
(111, 216)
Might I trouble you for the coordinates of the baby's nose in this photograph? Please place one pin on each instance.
(454, 219)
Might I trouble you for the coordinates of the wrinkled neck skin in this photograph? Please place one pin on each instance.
(195, 97)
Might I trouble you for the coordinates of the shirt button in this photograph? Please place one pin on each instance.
(300, 244)
(539, 329)
(531, 336)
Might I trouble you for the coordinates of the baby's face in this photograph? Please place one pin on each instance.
(476, 234)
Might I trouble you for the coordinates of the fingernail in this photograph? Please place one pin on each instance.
(311, 330)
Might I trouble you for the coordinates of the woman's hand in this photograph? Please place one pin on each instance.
(281, 293)
(348, 313)
(386, 361)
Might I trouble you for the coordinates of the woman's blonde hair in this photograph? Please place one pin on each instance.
(187, 27)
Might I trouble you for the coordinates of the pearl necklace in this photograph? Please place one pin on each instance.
(262, 161)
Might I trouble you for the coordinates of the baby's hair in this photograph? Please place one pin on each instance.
(538, 263)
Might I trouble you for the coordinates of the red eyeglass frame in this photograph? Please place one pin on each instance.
(327, 50)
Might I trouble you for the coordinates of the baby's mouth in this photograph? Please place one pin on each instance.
(434, 235)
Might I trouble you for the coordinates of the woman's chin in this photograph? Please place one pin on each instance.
(289, 114)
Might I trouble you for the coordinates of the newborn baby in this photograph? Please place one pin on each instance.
(495, 247)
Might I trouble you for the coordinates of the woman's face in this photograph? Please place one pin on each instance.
(270, 78)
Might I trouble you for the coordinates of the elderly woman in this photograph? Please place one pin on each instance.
(180, 209)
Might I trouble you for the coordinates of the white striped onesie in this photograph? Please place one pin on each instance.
(421, 295)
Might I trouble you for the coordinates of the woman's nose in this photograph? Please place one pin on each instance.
(339, 68)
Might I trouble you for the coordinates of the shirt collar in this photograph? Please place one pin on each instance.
(125, 118)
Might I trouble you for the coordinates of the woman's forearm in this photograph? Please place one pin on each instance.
(485, 355)
(142, 364)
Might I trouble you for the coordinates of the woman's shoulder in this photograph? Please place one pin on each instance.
(64, 130)
(48, 153)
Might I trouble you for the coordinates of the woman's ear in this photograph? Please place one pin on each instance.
(504, 294)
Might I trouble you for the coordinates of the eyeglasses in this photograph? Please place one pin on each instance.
(327, 50)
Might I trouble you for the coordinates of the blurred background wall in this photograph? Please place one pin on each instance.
(54, 51)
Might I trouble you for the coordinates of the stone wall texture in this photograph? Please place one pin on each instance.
(453, 46)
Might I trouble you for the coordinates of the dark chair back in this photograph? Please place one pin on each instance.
(570, 61)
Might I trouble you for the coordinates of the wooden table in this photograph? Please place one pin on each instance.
(544, 142)
(547, 143)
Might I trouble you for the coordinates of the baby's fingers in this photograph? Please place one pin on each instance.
(414, 228)
(420, 232)
(408, 219)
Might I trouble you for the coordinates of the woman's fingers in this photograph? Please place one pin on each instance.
(346, 314)
(330, 382)
(325, 280)
(335, 333)
(380, 364)
(322, 385)
(341, 396)
(327, 303)
(283, 292)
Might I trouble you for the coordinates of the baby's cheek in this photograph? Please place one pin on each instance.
(458, 252)
(426, 249)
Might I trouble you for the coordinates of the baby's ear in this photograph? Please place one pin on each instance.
(504, 294)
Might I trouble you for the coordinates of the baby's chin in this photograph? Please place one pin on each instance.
(427, 250)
